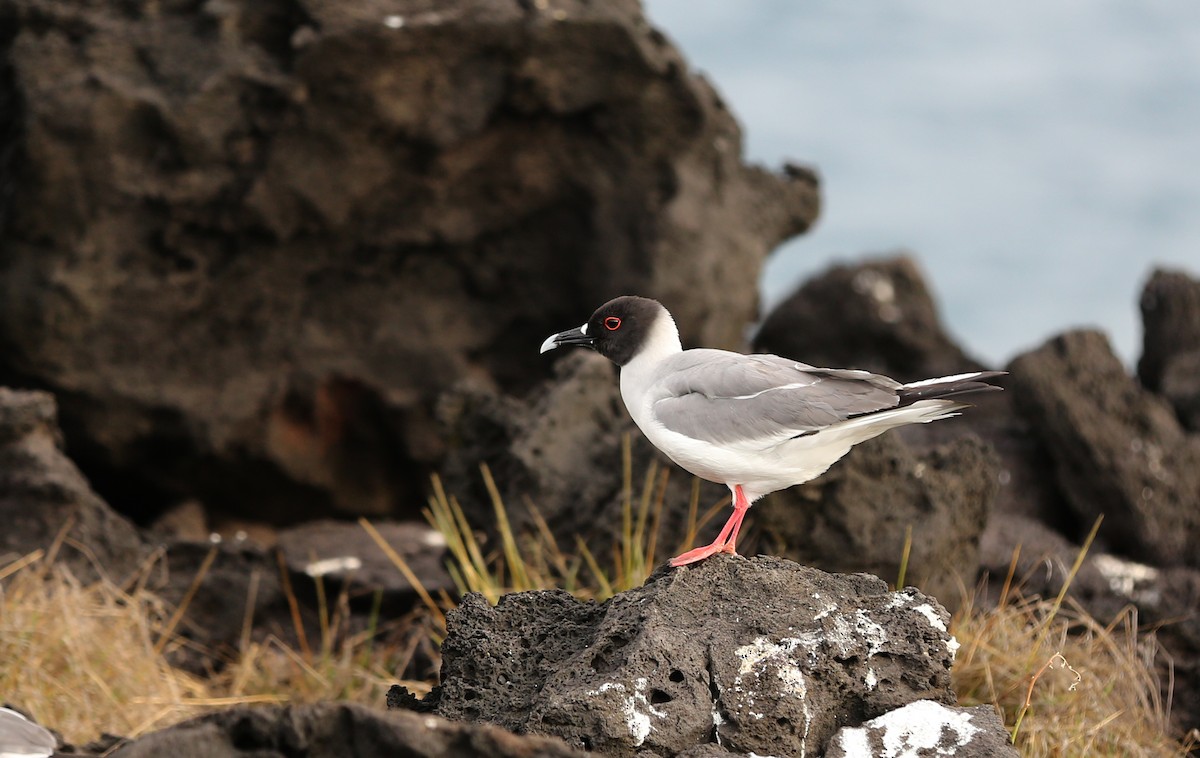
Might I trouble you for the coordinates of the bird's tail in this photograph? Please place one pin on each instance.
(948, 386)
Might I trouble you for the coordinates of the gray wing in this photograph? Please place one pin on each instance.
(21, 737)
(722, 397)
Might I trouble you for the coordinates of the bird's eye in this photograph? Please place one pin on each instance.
(612, 323)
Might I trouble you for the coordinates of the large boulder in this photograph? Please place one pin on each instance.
(44, 497)
(760, 655)
(1118, 450)
(855, 517)
(249, 242)
(877, 315)
(1170, 362)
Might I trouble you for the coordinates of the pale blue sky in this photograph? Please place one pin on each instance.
(1038, 158)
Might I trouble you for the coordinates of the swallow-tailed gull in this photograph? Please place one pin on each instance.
(755, 423)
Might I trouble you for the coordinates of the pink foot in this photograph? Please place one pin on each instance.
(726, 540)
(700, 553)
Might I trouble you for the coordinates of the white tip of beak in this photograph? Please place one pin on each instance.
(549, 344)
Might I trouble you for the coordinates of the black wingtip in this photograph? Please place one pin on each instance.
(950, 386)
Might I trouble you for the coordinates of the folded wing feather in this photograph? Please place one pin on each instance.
(728, 398)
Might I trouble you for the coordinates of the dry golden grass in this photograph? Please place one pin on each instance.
(95, 658)
(1067, 685)
(536, 561)
(82, 658)
(1064, 683)
(87, 659)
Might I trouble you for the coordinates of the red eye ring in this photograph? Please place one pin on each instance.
(612, 323)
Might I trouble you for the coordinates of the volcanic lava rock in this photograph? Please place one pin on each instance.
(44, 496)
(1170, 362)
(559, 450)
(249, 242)
(1118, 450)
(759, 655)
(877, 315)
(336, 730)
(224, 584)
(855, 516)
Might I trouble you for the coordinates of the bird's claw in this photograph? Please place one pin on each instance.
(700, 553)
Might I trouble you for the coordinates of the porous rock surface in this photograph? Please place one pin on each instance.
(855, 516)
(926, 728)
(1170, 362)
(335, 730)
(249, 242)
(1117, 449)
(757, 655)
(43, 496)
(877, 315)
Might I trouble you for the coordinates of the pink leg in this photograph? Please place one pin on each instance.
(730, 544)
(725, 541)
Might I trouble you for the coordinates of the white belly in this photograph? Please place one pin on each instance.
(759, 470)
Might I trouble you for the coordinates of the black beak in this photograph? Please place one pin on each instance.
(569, 337)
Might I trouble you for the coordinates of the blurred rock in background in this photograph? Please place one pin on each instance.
(248, 244)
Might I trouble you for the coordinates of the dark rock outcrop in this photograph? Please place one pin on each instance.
(253, 240)
(877, 315)
(43, 496)
(1043, 558)
(560, 450)
(1028, 481)
(926, 728)
(757, 654)
(854, 517)
(1117, 449)
(1170, 362)
(336, 730)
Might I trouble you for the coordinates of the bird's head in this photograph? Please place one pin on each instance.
(621, 329)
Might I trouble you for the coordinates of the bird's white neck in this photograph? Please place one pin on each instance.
(661, 343)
